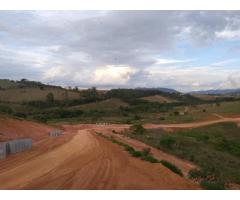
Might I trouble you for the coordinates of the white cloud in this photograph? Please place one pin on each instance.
(162, 61)
(228, 34)
(118, 48)
(56, 72)
(112, 75)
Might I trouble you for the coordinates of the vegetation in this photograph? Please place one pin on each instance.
(137, 129)
(215, 148)
(53, 104)
(144, 155)
(172, 167)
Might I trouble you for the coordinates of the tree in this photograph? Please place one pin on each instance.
(50, 98)
(137, 129)
(91, 94)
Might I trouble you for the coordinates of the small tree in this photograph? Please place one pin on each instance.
(137, 129)
(50, 98)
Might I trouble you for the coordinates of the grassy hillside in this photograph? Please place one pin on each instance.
(35, 94)
(158, 98)
(109, 104)
(215, 148)
(5, 84)
(28, 99)
(205, 97)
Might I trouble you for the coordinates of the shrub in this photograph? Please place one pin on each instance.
(136, 153)
(50, 98)
(176, 113)
(167, 141)
(150, 158)
(172, 167)
(146, 151)
(137, 129)
(6, 109)
(212, 185)
(20, 114)
(195, 173)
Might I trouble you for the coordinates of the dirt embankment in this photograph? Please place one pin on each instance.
(13, 129)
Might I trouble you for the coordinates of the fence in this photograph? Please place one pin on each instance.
(14, 146)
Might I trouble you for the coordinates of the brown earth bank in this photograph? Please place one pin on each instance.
(80, 160)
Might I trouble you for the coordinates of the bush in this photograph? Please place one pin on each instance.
(50, 98)
(176, 113)
(20, 114)
(136, 153)
(195, 173)
(212, 185)
(137, 129)
(6, 109)
(146, 151)
(167, 141)
(172, 167)
(150, 158)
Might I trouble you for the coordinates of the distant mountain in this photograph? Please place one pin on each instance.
(166, 90)
(218, 92)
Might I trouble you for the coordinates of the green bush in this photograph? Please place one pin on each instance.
(146, 151)
(135, 153)
(137, 129)
(150, 158)
(167, 141)
(212, 185)
(6, 109)
(172, 167)
(195, 173)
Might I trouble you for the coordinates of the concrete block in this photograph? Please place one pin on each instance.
(3, 150)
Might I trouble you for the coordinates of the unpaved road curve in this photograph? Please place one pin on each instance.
(88, 161)
(193, 124)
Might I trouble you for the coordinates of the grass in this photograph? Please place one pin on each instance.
(158, 98)
(215, 148)
(143, 155)
(32, 94)
(109, 104)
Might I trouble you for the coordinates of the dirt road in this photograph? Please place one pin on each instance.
(88, 161)
(194, 124)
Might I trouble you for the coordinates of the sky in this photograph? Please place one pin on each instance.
(183, 50)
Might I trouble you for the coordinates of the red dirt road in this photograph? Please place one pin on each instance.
(83, 160)
(194, 124)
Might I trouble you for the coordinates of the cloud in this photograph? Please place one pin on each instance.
(116, 48)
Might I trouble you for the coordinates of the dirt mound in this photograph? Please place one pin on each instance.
(13, 129)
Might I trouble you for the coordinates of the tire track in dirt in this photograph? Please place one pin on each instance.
(88, 161)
